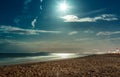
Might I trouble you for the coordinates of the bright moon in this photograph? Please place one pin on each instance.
(63, 7)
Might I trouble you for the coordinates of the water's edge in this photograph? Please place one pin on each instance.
(31, 58)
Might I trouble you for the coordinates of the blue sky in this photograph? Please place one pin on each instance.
(46, 26)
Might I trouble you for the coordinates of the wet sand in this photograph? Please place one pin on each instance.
(107, 65)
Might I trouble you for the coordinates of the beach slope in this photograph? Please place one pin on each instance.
(107, 65)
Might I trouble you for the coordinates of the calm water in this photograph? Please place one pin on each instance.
(19, 58)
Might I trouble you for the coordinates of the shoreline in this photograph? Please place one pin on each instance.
(88, 66)
(35, 59)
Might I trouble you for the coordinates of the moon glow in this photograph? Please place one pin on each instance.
(63, 7)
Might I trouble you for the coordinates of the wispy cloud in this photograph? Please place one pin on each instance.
(107, 33)
(26, 3)
(104, 17)
(94, 12)
(73, 33)
(41, 5)
(33, 22)
(21, 31)
(114, 39)
(16, 21)
(88, 31)
(83, 39)
(82, 45)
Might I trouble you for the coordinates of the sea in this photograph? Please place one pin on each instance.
(20, 58)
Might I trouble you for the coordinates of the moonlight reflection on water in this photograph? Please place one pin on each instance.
(41, 58)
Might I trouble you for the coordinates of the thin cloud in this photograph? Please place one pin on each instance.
(94, 12)
(16, 21)
(41, 0)
(21, 31)
(83, 39)
(104, 17)
(88, 31)
(114, 39)
(26, 3)
(107, 33)
(33, 22)
(73, 33)
(41, 7)
(54, 46)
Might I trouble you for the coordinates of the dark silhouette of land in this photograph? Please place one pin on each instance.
(107, 65)
(15, 55)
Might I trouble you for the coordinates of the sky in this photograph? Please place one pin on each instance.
(83, 26)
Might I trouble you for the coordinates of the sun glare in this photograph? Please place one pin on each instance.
(63, 7)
